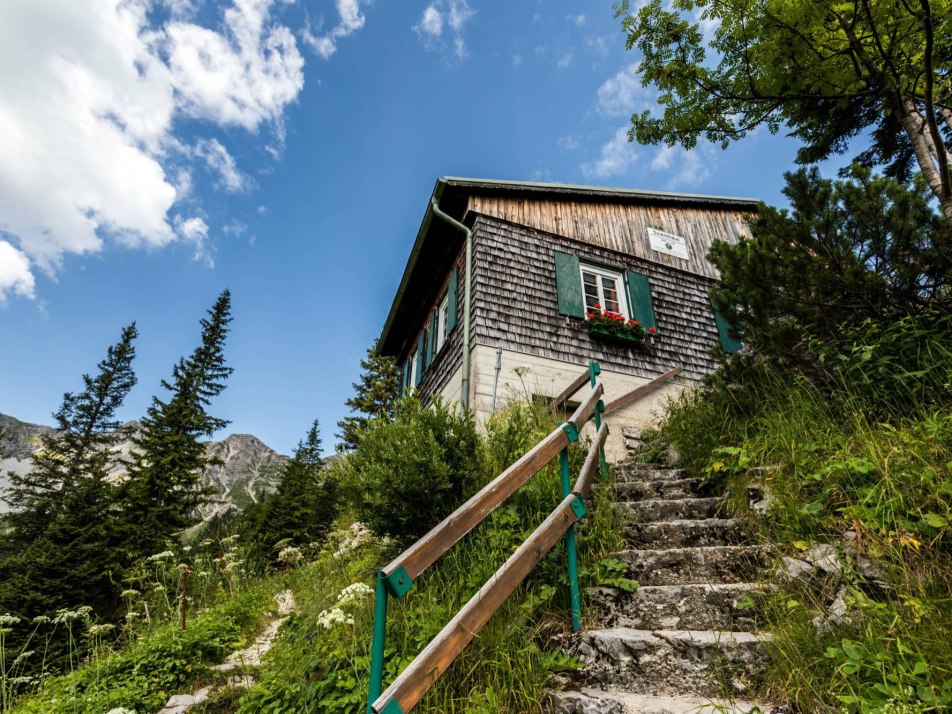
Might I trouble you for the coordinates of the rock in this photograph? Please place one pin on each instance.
(798, 569)
(824, 557)
(181, 703)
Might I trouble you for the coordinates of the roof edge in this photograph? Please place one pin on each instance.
(606, 191)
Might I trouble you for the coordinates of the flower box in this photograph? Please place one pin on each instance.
(617, 338)
(614, 328)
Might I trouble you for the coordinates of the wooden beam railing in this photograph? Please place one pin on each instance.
(641, 391)
(398, 576)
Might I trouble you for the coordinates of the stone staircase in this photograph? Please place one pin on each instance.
(686, 640)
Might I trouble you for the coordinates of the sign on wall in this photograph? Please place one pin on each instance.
(668, 243)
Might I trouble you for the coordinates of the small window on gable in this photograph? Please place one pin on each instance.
(604, 288)
(442, 318)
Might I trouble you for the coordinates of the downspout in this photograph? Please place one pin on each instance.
(467, 295)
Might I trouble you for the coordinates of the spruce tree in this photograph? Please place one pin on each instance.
(376, 396)
(161, 496)
(58, 550)
(303, 506)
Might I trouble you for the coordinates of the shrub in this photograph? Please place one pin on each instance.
(406, 475)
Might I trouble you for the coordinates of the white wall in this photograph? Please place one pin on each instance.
(523, 375)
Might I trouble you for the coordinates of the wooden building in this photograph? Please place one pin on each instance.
(541, 256)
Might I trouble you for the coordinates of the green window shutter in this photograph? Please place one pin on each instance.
(421, 354)
(724, 330)
(451, 302)
(431, 352)
(568, 283)
(639, 295)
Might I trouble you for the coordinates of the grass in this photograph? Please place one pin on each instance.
(843, 467)
(313, 668)
(320, 659)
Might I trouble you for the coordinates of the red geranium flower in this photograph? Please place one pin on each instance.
(651, 330)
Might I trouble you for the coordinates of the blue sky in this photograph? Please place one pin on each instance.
(158, 152)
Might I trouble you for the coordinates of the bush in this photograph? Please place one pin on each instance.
(406, 475)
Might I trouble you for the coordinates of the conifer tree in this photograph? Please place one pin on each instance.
(303, 506)
(162, 494)
(376, 395)
(58, 549)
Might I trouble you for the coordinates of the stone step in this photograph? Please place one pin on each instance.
(680, 607)
(638, 490)
(671, 509)
(648, 472)
(685, 566)
(683, 533)
(703, 663)
(601, 701)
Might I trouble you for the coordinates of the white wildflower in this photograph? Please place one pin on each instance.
(186, 549)
(357, 535)
(9, 619)
(353, 593)
(130, 616)
(160, 588)
(129, 594)
(290, 555)
(164, 555)
(40, 620)
(328, 618)
(96, 630)
(203, 574)
(22, 656)
(22, 680)
(121, 710)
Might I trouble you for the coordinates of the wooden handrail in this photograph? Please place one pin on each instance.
(570, 390)
(426, 551)
(642, 390)
(436, 657)
(587, 475)
(398, 576)
(586, 409)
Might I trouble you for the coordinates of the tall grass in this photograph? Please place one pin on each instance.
(316, 668)
(867, 470)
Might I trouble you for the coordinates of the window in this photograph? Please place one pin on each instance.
(442, 317)
(603, 287)
(412, 361)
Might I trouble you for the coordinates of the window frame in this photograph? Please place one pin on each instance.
(442, 315)
(621, 287)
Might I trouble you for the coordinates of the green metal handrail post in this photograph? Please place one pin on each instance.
(377, 646)
(575, 595)
(594, 369)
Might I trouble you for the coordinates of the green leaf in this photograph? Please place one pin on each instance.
(935, 520)
(851, 649)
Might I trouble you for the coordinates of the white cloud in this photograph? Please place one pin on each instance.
(223, 163)
(577, 20)
(351, 20)
(442, 23)
(565, 61)
(91, 93)
(244, 75)
(597, 45)
(195, 231)
(616, 157)
(622, 94)
(568, 142)
(691, 167)
(15, 275)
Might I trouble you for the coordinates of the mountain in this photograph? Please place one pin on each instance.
(248, 467)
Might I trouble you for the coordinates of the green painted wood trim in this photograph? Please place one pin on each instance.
(431, 348)
(421, 355)
(724, 330)
(452, 304)
(568, 283)
(639, 294)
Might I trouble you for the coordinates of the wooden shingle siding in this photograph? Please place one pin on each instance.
(448, 360)
(623, 228)
(516, 303)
